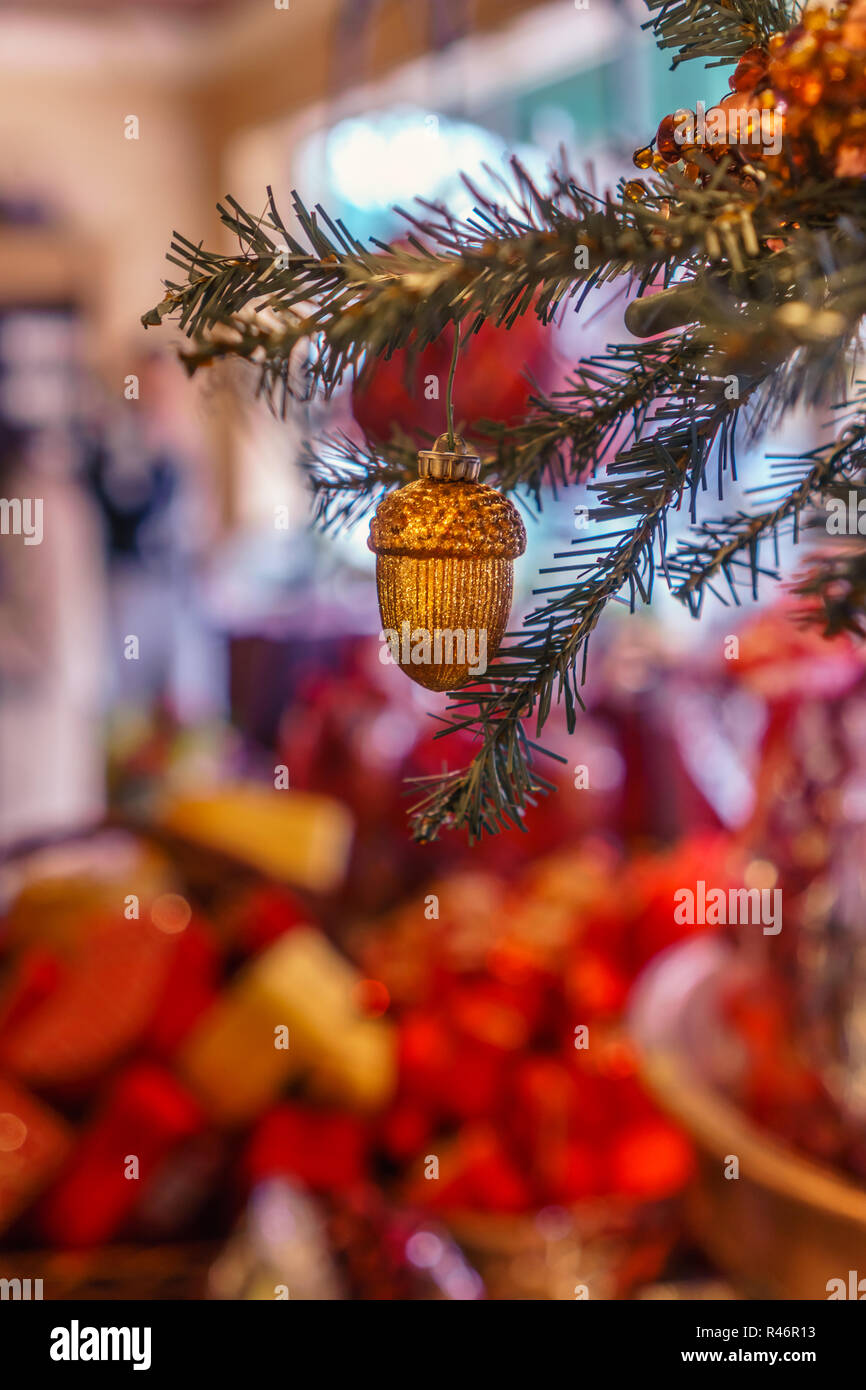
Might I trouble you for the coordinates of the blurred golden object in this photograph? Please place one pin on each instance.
(445, 547)
(231, 1060)
(56, 902)
(596, 1251)
(294, 837)
(301, 983)
(787, 1225)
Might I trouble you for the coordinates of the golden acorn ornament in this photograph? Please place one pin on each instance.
(445, 548)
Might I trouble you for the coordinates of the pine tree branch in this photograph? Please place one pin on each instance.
(607, 398)
(717, 30)
(834, 588)
(348, 478)
(763, 288)
(366, 303)
(729, 548)
(354, 305)
(645, 480)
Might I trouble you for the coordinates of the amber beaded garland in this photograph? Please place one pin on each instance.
(445, 547)
(814, 78)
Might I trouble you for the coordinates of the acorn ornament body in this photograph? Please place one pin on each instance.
(445, 547)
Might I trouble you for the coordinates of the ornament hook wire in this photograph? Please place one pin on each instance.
(449, 391)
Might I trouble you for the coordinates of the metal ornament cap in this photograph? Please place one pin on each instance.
(449, 465)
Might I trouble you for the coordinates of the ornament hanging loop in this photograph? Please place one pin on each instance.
(450, 460)
(449, 393)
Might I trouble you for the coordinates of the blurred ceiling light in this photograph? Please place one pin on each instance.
(394, 156)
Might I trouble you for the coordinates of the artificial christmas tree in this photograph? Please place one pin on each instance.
(749, 287)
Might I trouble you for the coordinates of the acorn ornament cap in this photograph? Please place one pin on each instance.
(445, 547)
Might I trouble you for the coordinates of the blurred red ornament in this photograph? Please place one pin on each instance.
(475, 1172)
(146, 1116)
(190, 987)
(493, 1012)
(324, 1149)
(456, 1076)
(490, 383)
(98, 1008)
(474, 1082)
(655, 880)
(649, 1160)
(31, 980)
(405, 1130)
(572, 1173)
(263, 915)
(594, 983)
(544, 1101)
(423, 1049)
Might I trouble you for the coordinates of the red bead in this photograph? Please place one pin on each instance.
(666, 143)
(750, 70)
(372, 997)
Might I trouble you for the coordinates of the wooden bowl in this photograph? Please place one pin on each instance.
(787, 1226)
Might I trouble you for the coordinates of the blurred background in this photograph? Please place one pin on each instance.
(254, 1043)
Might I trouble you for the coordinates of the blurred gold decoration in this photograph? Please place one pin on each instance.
(57, 895)
(564, 1254)
(807, 84)
(303, 984)
(294, 837)
(445, 547)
